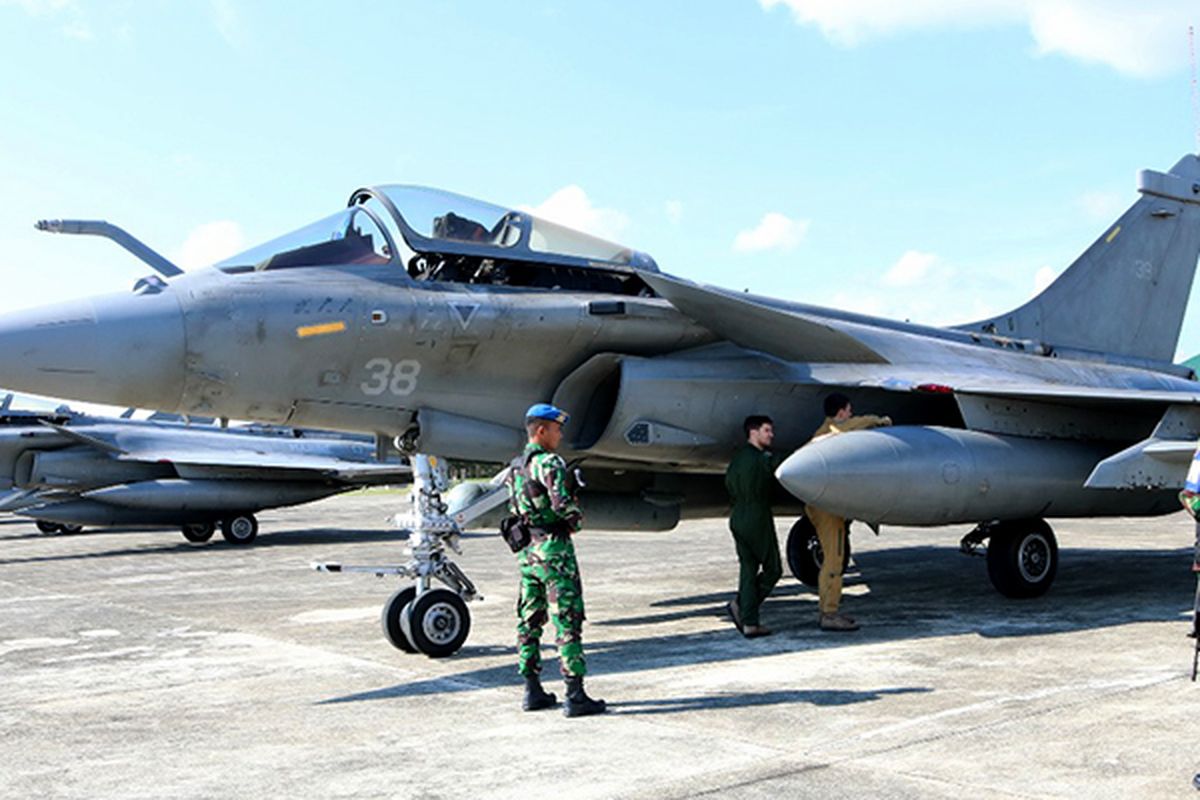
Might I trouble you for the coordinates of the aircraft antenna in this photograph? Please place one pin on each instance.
(1195, 88)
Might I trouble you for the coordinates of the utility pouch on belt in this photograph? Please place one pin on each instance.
(515, 533)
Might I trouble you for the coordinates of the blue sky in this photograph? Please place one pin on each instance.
(931, 160)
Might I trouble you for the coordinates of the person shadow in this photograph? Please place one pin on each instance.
(717, 702)
(901, 594)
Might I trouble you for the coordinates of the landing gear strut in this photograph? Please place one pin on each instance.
(1022, 555)
(422, 618)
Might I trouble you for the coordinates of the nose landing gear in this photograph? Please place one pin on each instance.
(421, 618)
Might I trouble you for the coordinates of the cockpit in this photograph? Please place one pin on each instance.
(439, 236)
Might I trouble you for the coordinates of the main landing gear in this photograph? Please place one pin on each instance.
(50, 528)
(237, 529)
(422, 618)
(804, 554)
(1022, 555)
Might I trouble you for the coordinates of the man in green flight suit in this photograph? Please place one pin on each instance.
(541, 495)
(750, 480)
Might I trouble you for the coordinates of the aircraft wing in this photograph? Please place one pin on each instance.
(1042, 410)
(266, 454)
(743, 321)
(1088, 395)
(265, 459)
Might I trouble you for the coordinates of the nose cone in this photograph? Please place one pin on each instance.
(805, 473)
(854, 475)
(122, 350)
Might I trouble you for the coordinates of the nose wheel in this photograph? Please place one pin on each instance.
(394, 610)
(422, 618)
(436, 622)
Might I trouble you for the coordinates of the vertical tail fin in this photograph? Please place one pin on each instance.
(1126, 295)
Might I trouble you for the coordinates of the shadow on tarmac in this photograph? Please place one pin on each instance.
(913, 593)
(816, 697)
(274, 539)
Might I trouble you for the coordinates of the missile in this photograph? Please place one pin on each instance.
(90, 512)
(211, 495)
(916, 475)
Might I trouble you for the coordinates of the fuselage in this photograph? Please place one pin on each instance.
(369, 349)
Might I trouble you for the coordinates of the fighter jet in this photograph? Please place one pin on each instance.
(437, 319)
(67, 470)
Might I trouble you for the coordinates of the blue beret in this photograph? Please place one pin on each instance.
(547, 411)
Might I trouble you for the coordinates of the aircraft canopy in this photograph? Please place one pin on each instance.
(383, 222)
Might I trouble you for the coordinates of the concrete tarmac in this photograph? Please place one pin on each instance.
(137, 665)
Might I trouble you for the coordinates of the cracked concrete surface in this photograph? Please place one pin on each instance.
(136, 665)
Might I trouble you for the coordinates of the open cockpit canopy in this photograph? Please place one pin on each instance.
(441, 236)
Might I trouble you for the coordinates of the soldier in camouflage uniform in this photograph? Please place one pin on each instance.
(541, 495)
(1190, 499)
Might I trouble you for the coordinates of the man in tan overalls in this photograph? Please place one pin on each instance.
(831, 529)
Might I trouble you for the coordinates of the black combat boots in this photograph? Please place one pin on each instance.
(537, 698)
(578, 704)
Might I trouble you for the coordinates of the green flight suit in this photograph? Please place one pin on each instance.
(749, 481)
(539, 493)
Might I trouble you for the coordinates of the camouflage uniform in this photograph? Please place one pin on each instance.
(539, 492)
(1189, 498)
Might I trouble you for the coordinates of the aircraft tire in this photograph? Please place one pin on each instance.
(804, 554)
(437, 622)
(70, 528)
(199, 532)
(48, 528)
(240, 529)
(393, 611)
(1022, 558)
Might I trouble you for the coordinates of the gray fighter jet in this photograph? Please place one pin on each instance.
(438, 319)
(68, 470)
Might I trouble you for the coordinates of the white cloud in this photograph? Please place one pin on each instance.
(209, 243)
(36, 8)
(848, 23)
(1143, 38)
(872, 305)
(912, 268)
(922, 288)
(75, 24)
(1043, 278)
(774, 232)
(79, 31)
(1103, 206)
(570, 206)
(227, 21)
(674, 210)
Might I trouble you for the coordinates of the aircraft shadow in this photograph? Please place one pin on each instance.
(914, 593)
(272, 540)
